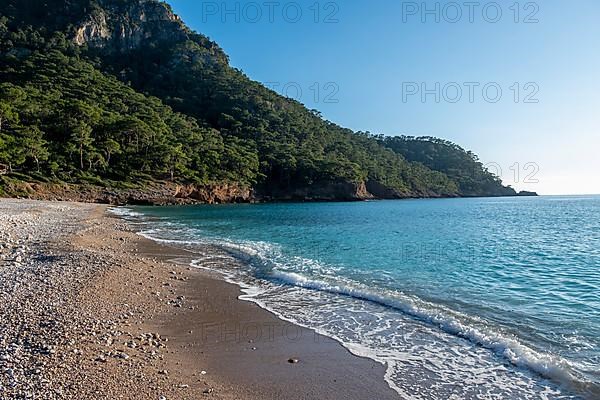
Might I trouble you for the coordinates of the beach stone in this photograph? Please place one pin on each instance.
(49, 335)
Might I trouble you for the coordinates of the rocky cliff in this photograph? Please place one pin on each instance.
(159, 193)
(127, 25)
(169, 193)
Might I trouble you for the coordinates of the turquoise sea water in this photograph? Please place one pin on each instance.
(460, 298)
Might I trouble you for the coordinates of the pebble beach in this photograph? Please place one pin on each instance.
(91, 310)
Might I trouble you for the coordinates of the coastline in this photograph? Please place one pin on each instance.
(135, 321)
(170, 193)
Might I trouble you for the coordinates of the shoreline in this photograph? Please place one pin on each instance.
(172, 193)
(135, 321)
(256, 353)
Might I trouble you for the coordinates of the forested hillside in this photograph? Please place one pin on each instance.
(461, 166)
(118, 93)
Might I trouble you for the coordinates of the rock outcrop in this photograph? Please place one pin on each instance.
(163, 193)
(127, 25)
(170, 193)
(93, 32)
(380, 191)
(332, 191)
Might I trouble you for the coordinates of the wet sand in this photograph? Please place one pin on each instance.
(251, 353)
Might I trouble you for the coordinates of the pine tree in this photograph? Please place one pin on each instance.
(81, 139)
(33, 144)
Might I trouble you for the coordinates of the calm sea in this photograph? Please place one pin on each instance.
(460, 298)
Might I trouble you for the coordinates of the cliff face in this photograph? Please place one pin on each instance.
(168, 193)
(343, 191)
(127, 25)
(163, 193)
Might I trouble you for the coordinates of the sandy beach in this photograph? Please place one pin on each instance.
(91, 310)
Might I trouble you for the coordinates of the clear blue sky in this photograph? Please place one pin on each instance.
(367, 57)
